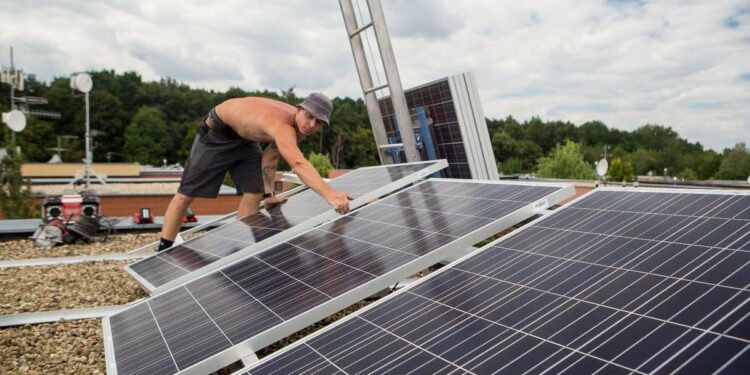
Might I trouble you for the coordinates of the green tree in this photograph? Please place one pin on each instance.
(643, 161)
(187, 142)
(360, 148)
(512, 165)
(321, 163)
(594, 133)
(565, 161)
(106, 118)
(736, 163)
(504, 146)
(146, 137)
(521, 155)
(36, 140)
(709, 164)
(688, 174)
(509, 125)
(349, 137)
(15, 192)
(654, 137)
(620, 170)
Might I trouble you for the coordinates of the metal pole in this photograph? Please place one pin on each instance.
(87, 167)
(365, 79)
(12, 82)
(394, 81)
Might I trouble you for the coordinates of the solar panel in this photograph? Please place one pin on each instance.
(620, 281)
(214, 320)
(269, 226)
(458, 125)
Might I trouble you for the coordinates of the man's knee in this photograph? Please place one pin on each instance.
(182, 200)
(251, 199)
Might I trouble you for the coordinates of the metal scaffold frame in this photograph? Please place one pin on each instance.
(393, 80)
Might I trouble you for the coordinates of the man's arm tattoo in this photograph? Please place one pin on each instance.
(269, 171)
(269, 174)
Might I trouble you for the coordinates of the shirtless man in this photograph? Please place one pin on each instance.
(228, 140)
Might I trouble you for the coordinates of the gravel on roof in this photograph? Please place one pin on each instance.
(117, 243)
(68, 286)
(63, 347)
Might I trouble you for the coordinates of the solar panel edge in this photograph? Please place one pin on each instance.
(437, 165)
(673, 190)
(482, 131)
(308, 224)
(410, 163)
(109, 350)
(558, 196)
(461, 118)
(564, 186)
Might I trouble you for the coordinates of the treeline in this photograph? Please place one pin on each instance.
(519, 146)
(149, 122)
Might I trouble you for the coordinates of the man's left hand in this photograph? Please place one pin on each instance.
(274, 200)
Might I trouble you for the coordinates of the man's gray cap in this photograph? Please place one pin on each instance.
(319, 106)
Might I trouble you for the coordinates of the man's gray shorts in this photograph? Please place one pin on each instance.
(212, 155)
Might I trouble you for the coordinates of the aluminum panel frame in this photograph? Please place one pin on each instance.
(459, 103)
(483, 135)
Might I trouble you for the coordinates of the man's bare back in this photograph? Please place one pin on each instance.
(252, 118)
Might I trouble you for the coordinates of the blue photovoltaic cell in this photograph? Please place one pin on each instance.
(191, 324)
(618, 282)
(228, 239)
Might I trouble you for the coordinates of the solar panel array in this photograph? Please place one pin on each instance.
(619, 282)
(171, 266)
(207, 323)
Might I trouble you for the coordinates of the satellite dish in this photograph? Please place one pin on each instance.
(16, 120)
(81, 82)
(601, 167)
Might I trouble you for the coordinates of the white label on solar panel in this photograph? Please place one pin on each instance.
(541, 205)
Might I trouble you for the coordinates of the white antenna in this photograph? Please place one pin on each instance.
(601, 168)
(83, 83)
(15, 120)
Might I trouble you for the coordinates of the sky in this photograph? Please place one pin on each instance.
(628, 63)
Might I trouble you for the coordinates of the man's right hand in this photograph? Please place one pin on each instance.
(339, 201)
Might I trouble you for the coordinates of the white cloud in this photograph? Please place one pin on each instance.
(684, 64)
